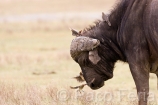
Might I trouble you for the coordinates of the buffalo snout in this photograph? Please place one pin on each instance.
(96, 84)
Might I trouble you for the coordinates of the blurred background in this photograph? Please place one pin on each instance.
(34, 51)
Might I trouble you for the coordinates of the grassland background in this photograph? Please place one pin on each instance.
(35, 64)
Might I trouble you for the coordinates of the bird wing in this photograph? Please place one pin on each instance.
(79, 79)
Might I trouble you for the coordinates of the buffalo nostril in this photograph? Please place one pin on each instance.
(92, 85)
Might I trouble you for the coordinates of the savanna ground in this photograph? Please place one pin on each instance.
(35, 64)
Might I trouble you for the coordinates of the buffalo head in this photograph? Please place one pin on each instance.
(94, 56)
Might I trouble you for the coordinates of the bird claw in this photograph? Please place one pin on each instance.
(81, 92)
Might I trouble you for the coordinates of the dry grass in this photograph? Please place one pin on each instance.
(43, 47)
(31, 94)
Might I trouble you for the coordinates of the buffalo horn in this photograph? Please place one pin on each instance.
(81, 43)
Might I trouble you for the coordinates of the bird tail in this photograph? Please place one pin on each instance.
(73, 87)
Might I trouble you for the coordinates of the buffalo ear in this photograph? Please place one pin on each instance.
(106, 18)
(94, 57)
(74, 32)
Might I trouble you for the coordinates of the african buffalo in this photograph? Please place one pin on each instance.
(130, 34)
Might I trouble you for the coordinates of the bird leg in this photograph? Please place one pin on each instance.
(79, 88)
(80, 91)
